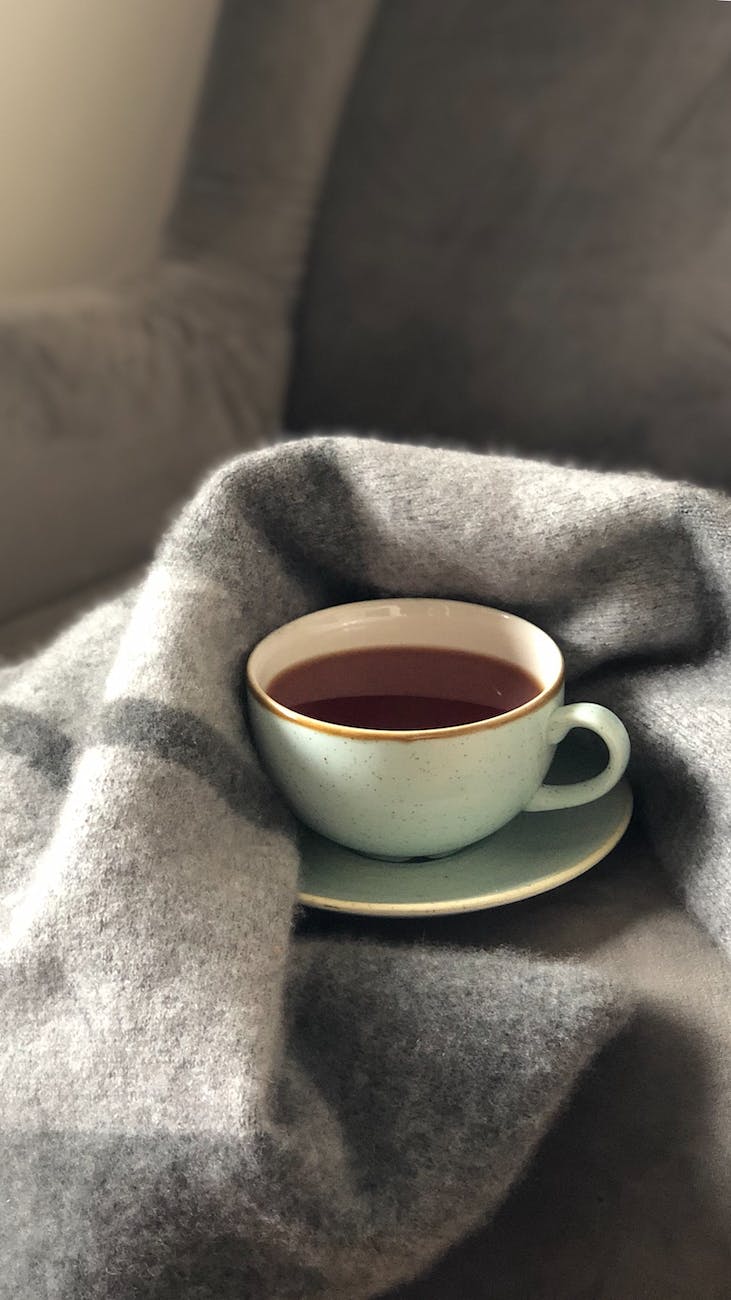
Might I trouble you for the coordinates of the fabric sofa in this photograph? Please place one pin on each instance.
(500, 225)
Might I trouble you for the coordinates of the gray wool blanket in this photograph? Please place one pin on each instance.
(196, 1102)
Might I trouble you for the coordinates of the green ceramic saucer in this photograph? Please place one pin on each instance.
(534, 853)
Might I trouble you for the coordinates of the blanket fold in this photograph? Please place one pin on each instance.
(194, 1101)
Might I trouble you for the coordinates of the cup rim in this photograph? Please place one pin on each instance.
(430, 733)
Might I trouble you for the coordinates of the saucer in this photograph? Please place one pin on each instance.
(532, 854)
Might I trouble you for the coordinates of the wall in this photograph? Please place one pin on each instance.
(96, 100)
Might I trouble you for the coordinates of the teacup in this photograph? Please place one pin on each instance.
(424, 792)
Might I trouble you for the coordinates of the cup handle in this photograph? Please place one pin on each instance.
(614, 734)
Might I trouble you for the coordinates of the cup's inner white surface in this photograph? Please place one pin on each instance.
(413, 622)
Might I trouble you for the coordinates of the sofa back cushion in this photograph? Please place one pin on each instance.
(525, 237)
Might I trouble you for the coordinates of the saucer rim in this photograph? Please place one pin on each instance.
(481, 902)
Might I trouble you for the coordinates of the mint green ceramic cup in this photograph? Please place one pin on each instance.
(406, 794)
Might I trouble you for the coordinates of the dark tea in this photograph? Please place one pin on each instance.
(403, 688)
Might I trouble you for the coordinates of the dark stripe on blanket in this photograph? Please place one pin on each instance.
(40, 744)
(178, 736)
(291, 508)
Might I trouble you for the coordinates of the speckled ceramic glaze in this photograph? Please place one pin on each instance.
(533, 854)
(404, 794)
